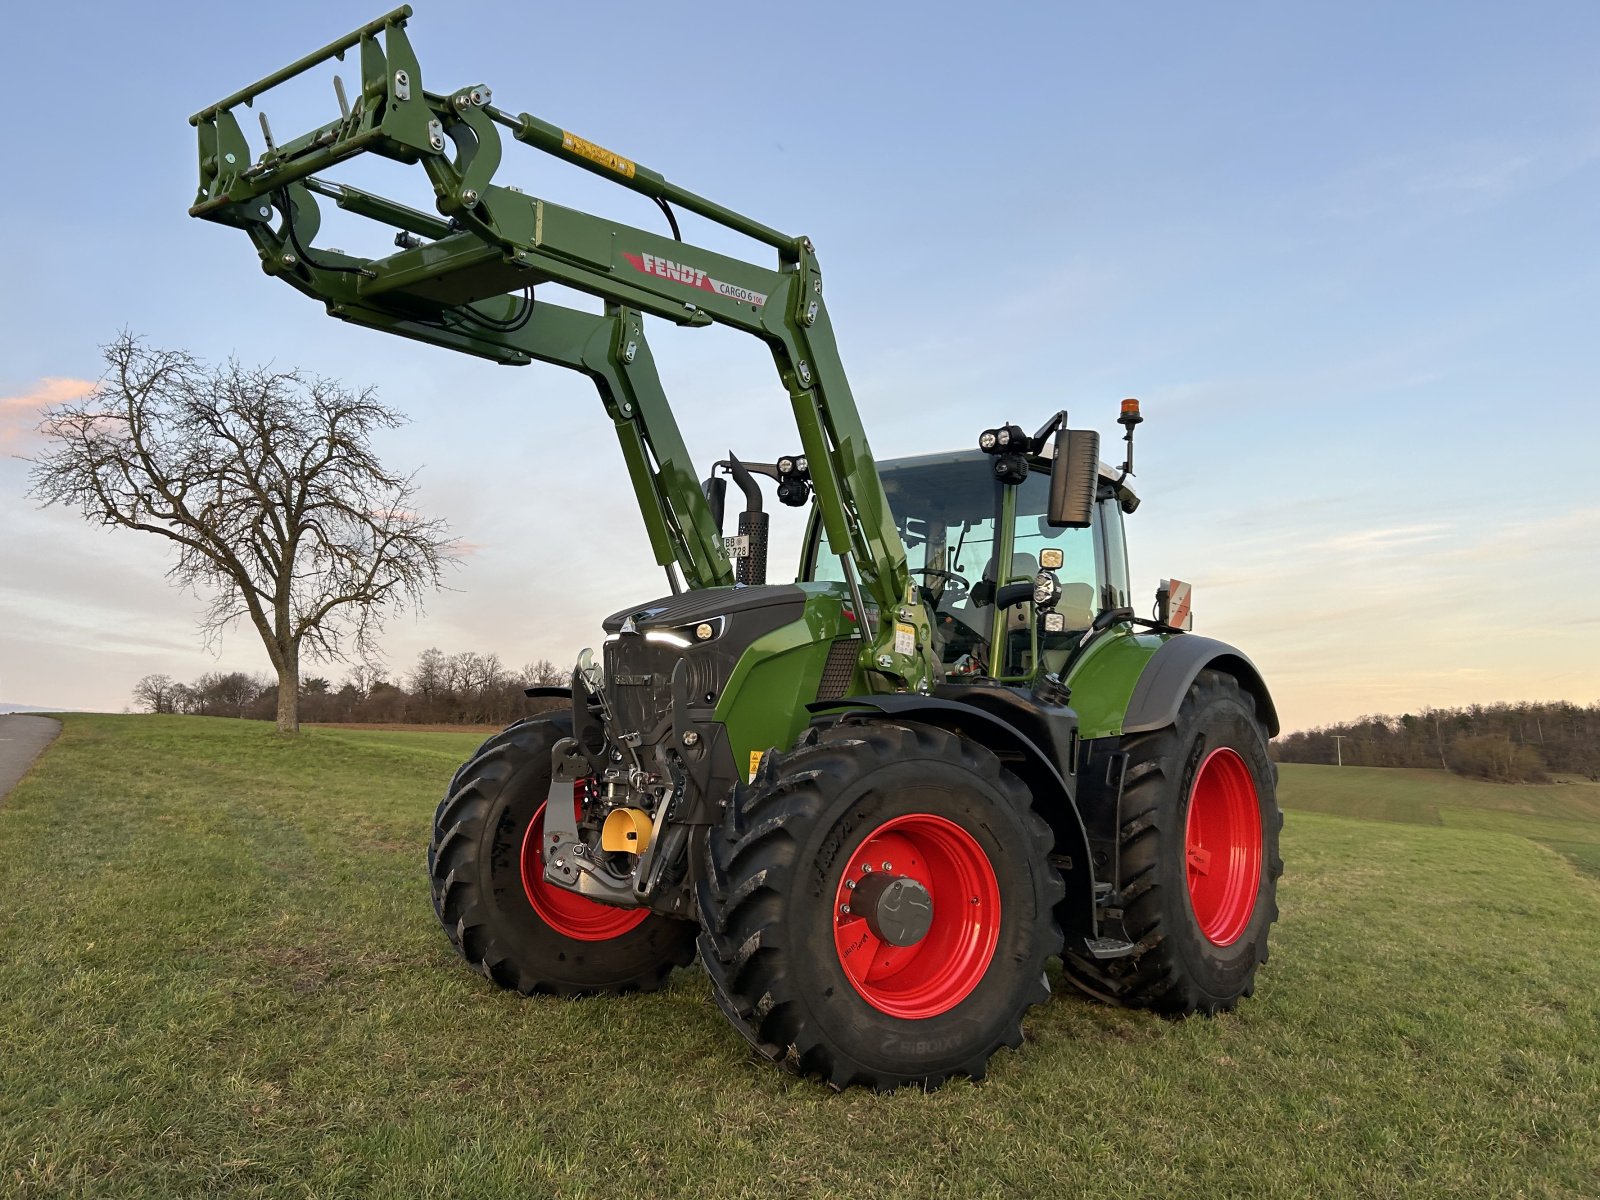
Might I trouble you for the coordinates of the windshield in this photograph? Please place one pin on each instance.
(947, 508)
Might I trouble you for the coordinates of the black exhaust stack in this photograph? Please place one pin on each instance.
(751, 566)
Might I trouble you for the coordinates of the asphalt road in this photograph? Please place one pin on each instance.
(22, 739)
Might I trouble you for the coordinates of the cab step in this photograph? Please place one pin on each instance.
(1102, 948)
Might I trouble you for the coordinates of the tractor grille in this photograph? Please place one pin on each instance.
(639, 681)
(840, 668)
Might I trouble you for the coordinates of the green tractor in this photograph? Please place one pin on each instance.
(874, 802)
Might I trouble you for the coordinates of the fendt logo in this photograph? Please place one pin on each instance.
(665, 268)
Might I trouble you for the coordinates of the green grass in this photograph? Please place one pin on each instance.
(1562, 816)
(220, 975)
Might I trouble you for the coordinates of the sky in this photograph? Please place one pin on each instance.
(1345, 254)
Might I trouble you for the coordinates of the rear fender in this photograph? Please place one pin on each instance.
(1166, 678)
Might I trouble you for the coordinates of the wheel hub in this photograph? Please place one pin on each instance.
(917, 916)
(897, 908)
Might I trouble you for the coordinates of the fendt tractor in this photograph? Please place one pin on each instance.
(875, 801)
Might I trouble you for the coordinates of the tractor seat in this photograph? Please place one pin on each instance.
(1077, 604)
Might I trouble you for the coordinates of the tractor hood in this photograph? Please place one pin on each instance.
(706, 604)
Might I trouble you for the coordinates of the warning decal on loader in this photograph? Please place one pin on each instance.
(665, 268)
(574, 144)
(905, 639)
(755, 764)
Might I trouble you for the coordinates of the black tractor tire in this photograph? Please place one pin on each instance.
(479, 756)
(475, 871)
(1200, 929)
(775, 942)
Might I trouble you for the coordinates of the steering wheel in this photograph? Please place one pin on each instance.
(955, 587)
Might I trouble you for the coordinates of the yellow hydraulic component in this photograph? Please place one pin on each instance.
(626, 829)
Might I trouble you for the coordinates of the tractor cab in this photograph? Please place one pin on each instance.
(989, 564)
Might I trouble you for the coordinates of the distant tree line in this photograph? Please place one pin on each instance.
(1505, 742)
(442, 689)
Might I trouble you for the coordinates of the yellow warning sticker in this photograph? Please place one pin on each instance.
(755, 763)
(574, 144)
(905, 638)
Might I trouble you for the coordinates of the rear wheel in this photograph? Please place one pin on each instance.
(1199, 858)
(879, 908)
(489, 890)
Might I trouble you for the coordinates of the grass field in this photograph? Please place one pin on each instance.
(1563, 816)
(220, 975)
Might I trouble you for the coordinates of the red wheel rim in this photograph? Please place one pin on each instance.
(935, 974)
(568, 913)
(1222, 846)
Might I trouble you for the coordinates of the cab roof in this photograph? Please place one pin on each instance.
(1108, 474)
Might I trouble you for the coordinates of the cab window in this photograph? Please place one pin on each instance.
(946, 509)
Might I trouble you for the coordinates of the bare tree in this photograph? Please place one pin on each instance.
(267, 483)
(156, 693)
(544, 673)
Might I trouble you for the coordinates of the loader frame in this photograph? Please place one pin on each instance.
(464, 280)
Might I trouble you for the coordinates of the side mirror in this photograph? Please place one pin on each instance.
(1074, 478)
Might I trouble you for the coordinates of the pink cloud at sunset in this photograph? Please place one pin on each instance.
(20, 414)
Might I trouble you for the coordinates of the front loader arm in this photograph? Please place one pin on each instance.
(465, 280)
(611, 350)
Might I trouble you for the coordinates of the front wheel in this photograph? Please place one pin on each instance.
(489, 890)
(1199, 858)
(879, 907)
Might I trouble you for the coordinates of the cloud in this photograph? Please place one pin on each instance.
(1460, 176)
(19, 415)
(1397, 537)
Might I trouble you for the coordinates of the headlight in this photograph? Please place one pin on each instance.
(685, 636)
(1046, 589)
